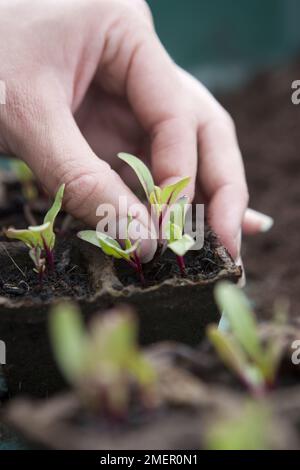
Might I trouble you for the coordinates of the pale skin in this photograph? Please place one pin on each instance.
(88, 79)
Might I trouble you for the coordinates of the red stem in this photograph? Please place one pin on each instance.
(41, 276)
(181, 264)
(139, 268)
(49, 256)
(50, 259)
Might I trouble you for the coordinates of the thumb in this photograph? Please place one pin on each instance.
(57, 153)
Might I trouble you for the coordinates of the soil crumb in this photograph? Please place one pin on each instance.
(70, 278)
(202, 264)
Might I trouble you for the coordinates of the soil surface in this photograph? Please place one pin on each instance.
(70, 278)
(268, 129)
(202, 264)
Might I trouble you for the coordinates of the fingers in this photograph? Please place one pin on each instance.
(222, 179)
(57, 153)
(174, 153)
(135, 64)
(161, 104)
(255, 222)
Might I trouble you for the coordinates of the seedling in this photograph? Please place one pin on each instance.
(166, 203)
(177, 241)
(41, 239)
(249, 429)
(113, 248)
(159, 198)
(104, 364)
(241, 349)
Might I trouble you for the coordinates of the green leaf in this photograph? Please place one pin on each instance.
(173, 232)
(170, 194)
(40, 234)
(108, 245)
(235, 305)
(51, 215)
(32, 237)
(249, 430)
(89, 236)
(228, 349)
(270, 361)
(141, 171)
(175, 225)
(177, 212)
(155, 199)
(113, 346)
(182, 246)
(142, 370)
(68, 339)
(26, 236)
(235, 358)
(21, 170)
(113, 336)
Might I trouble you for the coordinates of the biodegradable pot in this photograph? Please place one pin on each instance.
(173, 308)
(186, 408)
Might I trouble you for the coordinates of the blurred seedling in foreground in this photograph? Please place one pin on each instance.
(103, 364)
(250, 428)
(254, 361)
(113, 248)
(40, 239)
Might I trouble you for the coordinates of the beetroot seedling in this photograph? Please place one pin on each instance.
(112, 247)
(159, 198)
(104, 364)
(255, 362)
(250, 427)
(40, 239)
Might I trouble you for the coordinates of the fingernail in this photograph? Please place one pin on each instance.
(265, 222)
(238, 243)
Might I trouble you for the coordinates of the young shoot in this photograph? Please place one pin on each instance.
(41, 239)
(255, 362)
(104, 364)
(112, 247)
(159, 198)
(178, 241)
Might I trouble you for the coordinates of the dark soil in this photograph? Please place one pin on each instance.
(201, 264)
(70, 278)
(268, 129)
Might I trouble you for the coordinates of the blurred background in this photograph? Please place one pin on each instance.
(223, 42)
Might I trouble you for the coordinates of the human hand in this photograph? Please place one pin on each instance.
(89, 79)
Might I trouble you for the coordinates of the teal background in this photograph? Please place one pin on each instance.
(224, 42)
